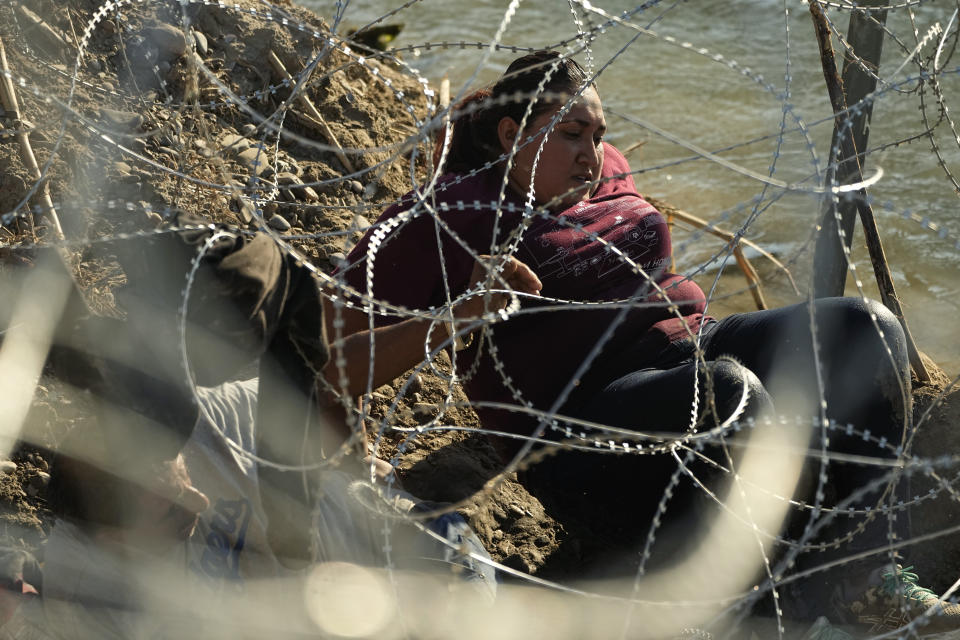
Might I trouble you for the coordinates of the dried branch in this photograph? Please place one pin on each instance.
(41, 33)
(8, 97)
(749, 272)
(320, 124)
(848, 152)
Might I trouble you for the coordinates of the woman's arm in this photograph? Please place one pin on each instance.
(400, 346)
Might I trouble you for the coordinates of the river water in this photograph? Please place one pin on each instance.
(761, 108)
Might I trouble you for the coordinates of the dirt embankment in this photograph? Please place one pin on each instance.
(135, 129)
(129, 128)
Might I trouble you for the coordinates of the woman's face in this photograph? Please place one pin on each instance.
(572, 155)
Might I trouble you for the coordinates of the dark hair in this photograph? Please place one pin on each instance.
(474, 141)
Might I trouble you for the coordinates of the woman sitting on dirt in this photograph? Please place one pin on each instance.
(530, 181)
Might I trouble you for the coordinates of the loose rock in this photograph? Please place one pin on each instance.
(360, 223)
(209, 25)
(200, 41)
(516, 511)
(246, 209)
(286, 178)
(298, 190)
(279, 223)
(425, 410)
(8, 467)
(415, 383)
(124, 119)
(167, 38)
(308, 194)
(234, 142)
(356, 186)
(255, 158)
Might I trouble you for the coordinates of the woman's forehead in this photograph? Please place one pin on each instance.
(586, 112)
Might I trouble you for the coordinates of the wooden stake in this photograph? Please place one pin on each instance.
(851, 166)
(445, 92)
(636, 145)
(42, 34)
(321, 124)
(8, 97)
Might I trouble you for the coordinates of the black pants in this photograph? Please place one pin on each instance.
(865, 381)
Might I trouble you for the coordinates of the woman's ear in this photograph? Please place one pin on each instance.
(507, 130)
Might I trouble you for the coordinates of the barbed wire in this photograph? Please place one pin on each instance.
(293, 180)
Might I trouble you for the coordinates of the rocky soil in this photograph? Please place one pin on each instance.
(133, 129)
(145, 132)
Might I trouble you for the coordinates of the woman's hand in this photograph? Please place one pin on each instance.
(399, 346)
(518, 276)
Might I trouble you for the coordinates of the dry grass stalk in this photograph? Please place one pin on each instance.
(319, 124)
(8, 96)
(670, 213)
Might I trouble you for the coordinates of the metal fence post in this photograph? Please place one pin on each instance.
(865, 36)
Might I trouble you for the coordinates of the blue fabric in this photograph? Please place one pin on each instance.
(464, 545)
